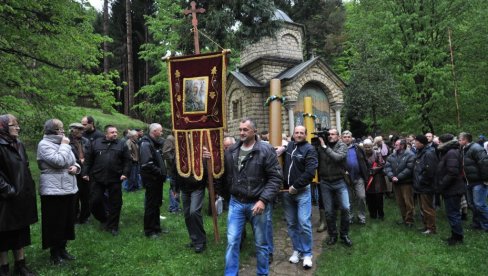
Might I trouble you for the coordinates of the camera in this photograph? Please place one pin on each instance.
(324, 133)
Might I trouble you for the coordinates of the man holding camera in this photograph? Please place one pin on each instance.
(332, 158)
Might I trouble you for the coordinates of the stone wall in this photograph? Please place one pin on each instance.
(286, 44)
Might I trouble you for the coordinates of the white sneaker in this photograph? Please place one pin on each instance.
(307, 262)
(295, 257)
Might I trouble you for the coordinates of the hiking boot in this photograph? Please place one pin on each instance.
(295, 257)
(307, 262)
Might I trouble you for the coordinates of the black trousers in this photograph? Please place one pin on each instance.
(58, 220)
(152, 204)
(109, 216)
(375, 205)
(192, 209)
(82, 201)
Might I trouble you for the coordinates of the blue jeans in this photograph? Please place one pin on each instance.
(236, 220)
(269, 229)
(134, 182)
(453, 207)
(335, 193)
(477, 197)
(174, 202)
(298, 214)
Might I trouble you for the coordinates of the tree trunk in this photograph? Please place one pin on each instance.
(105, 33)
(130, 69)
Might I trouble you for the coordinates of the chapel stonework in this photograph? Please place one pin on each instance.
(281, 57)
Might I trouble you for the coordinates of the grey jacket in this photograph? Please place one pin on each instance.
(54, 160)
(400, 166)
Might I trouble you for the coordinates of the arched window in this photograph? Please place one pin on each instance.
(320, 105)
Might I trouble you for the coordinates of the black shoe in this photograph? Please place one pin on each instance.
(21, 269)
(66, 256)
(56, 260)
(200, 248)
(331, 241)
(114, 232)
(346, 240)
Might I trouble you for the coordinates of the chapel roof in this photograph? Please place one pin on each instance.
(246, 80)
(281, 15)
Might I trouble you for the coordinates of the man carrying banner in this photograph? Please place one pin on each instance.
(253, 176)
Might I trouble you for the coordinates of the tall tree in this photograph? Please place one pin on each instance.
(129, 97)
(48, 53)
(409, 39)
(106, 64)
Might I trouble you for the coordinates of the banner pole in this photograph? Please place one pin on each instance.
(210, 187)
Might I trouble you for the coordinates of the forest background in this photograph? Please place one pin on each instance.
(410, 66)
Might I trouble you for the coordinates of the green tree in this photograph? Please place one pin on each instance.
(48, 53)
(409, 39)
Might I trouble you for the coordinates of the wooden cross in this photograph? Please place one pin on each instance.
(194, 22)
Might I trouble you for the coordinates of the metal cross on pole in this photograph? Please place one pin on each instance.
(194, 22)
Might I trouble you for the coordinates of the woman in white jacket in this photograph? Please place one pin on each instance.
(57, 189)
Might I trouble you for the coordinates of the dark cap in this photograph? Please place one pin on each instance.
(422, 139)
(76, 125)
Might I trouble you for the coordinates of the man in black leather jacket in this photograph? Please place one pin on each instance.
(108, 166)
(253, 176)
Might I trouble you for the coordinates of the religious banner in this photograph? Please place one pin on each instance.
(197, 87)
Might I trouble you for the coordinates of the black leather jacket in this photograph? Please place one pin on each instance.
(260, 176)
(108, 161)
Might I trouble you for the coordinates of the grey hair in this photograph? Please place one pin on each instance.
(251, 122)
(230, 138)
(52, 126)
(132, 133)
(154, 126)
(347, 132)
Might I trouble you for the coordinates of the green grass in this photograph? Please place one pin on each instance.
(380, 248)
(384, 248)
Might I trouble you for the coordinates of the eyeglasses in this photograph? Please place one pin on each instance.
(14, 126)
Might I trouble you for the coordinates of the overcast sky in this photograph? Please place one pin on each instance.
(98, 4)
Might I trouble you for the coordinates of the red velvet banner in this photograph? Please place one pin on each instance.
(197, 85)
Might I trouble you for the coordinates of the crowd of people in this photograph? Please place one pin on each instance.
(85, 172)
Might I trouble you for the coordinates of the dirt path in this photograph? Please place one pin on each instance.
(284, 249)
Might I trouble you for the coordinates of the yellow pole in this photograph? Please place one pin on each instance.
(309, 124)
(275, 127)
(309, 121)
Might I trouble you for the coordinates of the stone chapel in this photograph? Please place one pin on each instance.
(281, 57)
